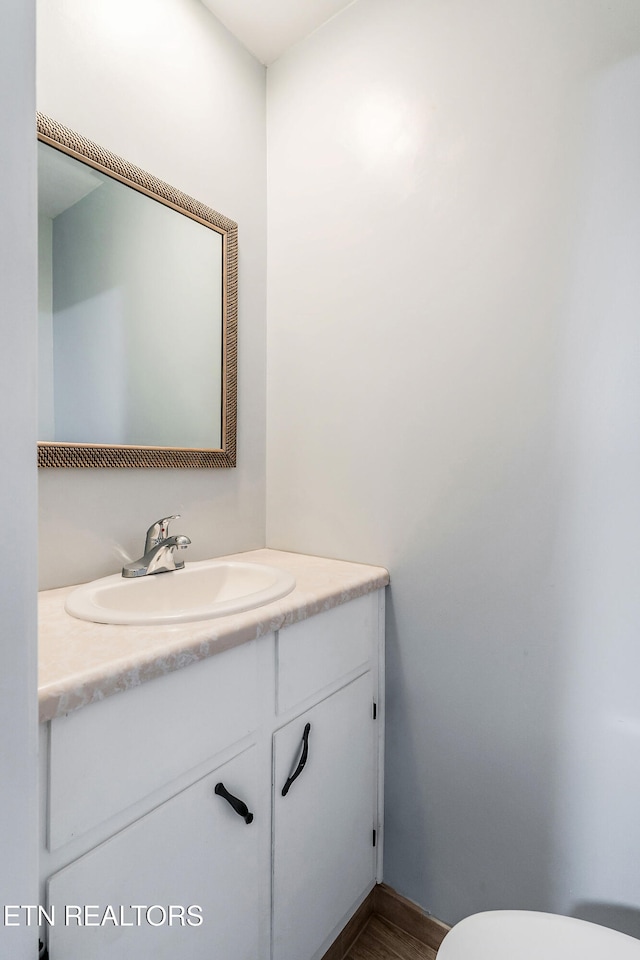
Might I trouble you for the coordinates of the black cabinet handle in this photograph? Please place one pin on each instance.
(239, 806)
(303, 759)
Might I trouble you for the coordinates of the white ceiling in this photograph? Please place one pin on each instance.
(268, 27)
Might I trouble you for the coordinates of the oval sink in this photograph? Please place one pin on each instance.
(203, 589)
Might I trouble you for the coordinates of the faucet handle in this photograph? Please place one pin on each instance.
(158, 531)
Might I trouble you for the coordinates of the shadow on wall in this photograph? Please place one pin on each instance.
(407, 838)
(614, 915)
(473, 694)
(598, 791)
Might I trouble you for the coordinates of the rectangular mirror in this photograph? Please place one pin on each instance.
(137, 315)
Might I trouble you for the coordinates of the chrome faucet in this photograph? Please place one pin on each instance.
(159, 551)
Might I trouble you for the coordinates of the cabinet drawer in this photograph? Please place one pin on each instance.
(112, 754)
(317, 652)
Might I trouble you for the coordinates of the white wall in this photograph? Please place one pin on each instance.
(453, 380)
(163, 84)
(18, 262)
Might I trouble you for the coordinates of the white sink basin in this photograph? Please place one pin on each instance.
(204, 589)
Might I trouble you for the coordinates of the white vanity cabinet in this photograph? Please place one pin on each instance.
(134, 820)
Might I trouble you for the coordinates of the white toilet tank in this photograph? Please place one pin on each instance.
(527, 935)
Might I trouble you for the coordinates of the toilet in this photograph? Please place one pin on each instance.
(527, 935)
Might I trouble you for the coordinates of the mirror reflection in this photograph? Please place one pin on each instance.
(130, 314)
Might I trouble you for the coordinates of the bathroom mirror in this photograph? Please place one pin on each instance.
(137, 295)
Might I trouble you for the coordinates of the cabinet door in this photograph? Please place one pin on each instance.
(324, 860)
(192, 851)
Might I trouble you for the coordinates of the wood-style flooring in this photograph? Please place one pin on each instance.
(381, 940)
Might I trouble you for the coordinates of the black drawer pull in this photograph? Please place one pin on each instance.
(301, 762)
(239, 806)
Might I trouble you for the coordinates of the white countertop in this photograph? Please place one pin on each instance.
(81, 662)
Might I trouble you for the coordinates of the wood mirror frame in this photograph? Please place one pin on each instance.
(66, 454)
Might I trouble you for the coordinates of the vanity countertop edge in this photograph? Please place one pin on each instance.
(81, 662)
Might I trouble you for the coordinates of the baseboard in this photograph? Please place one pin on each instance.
(350, 933)
(391, 906)
(408, 916)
